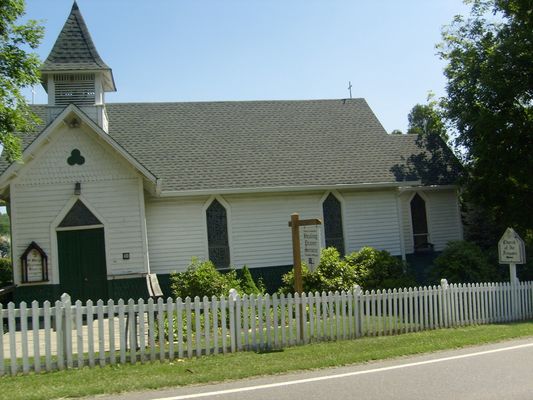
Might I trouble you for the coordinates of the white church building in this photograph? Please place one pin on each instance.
(108, 193)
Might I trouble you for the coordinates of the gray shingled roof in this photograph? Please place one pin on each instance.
(254, 144)
(74, 49)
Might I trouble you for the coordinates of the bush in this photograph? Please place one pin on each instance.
(378, 269)
(6, 272)
(201, 278)
(248, 286)
(464, 262)
(368, 268)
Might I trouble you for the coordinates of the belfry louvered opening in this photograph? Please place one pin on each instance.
(76, 89)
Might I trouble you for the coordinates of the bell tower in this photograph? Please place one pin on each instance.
(75, 74)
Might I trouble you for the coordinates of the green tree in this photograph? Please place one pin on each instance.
(464, 262)
(6, 272)
(5, 247)
(489, 103)
(19, 68)
(4, 225)
(427, 119)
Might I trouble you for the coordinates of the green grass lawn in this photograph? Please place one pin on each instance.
(121, 378)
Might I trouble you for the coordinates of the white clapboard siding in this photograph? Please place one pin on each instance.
(371, 219)
(176, 233)
(443, 217)
(117, 203)
(257, 225)
(111, 187)
(260, 236)
(75, 335)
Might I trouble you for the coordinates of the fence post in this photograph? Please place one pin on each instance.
(446, 301)
(232, 299)
(514, 293)
(357, 309)
(66, 323)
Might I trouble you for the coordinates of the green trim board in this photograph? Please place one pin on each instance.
(135, 288)
(40, 293)
(131, 288)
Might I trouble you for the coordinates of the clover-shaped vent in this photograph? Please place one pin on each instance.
(76, 158)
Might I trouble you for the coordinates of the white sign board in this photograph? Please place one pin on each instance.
(35, 266)
(310, 245)
(511, 249)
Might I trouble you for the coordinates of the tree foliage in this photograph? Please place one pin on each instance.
(19, 68)
(4, 225)
(5, 247)
(489, 103)
(6, 272)
(427, 119)
(464, 262)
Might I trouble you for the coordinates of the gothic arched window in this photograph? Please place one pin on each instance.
(420, 223)
(331, 208)
(217, 234)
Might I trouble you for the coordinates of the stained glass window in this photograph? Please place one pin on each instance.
(217, 234)
(420, 223)
(333, 223)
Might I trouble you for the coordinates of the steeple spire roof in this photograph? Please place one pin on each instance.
(74, 50)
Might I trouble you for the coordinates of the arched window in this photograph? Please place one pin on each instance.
(217, 234)
(331, 209)
(420, 224)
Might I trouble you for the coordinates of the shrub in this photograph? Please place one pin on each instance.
(6, 272)
(201, 278)
(248, 285)
(288, 281)
(464, 262)
(368, 268)
(378, 269)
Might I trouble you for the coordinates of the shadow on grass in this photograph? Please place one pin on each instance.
(268, 351)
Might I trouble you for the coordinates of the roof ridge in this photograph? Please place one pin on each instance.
(237, 101)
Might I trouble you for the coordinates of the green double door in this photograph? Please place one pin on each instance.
(82, 264)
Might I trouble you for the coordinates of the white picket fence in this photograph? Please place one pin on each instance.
(65, 335)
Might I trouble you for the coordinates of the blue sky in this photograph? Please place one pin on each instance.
(209, 50)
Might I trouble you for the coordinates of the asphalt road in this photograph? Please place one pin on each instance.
(497, 371)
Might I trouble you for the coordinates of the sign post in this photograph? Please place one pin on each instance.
(511, 250)
(295, 224)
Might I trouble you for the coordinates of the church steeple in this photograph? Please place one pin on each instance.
(74, 72)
